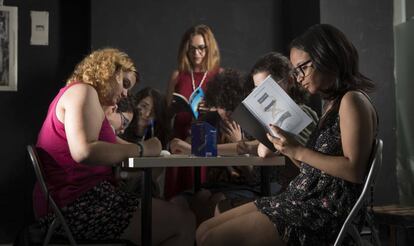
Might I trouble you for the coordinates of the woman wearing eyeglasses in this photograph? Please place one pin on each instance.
(78, 149)
(332, 165)
(120, 115)
(198, 62)
(150, 118)
(280, 68)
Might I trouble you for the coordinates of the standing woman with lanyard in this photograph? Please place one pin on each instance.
(198, 62)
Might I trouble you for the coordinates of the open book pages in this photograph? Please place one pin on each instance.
(181, 104)
(270, 104)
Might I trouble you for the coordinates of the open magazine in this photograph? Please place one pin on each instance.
(269, 104)
(181, 104)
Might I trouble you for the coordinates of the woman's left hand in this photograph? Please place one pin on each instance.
(232, 131)
(151, 147)
(178, 146)
(285, 143)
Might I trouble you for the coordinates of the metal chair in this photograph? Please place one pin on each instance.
(353, 221)
(59, 219)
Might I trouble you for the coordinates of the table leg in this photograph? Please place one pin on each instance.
(393, 237)
(197, 179)
(146, 207)
(265, 181)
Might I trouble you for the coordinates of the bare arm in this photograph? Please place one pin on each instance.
(264, 151)
(171, 87)
(121, 141)
(357, 124)
(227, 149)
(239, 148)
(83, 116)
(178, 146)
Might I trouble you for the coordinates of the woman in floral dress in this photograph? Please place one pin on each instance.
(332, 165)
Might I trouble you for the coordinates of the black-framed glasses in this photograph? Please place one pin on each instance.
(124, 121)
(199, 48)
(299, 71)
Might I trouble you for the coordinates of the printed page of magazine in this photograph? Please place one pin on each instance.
(270, 104)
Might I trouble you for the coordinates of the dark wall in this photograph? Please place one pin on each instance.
(369, 25)
(150, 31)
(41, 72)
(299, 15)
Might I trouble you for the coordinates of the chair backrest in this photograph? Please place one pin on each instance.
(38, 168)
(37, 165)
(375, 164)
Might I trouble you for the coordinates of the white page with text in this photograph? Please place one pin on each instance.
(270, 104)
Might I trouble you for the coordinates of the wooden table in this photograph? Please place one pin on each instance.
(394, 216)
(147, 163)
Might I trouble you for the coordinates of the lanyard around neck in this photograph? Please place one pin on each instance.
(201, 82)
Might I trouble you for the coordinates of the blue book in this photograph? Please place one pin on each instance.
(181, 104)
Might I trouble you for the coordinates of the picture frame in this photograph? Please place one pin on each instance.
(8, 48)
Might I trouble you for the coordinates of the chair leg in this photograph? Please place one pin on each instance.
(354, 234)
(373, 231)
(52, 228)
(50, 231)
(68, 233)
(375, 237)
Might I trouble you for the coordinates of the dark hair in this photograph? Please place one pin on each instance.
(225, 90)
(280, 68)
(333, 54)
(126, 105)
(161, 119)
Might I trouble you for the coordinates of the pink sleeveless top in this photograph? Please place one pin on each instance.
(65, 178)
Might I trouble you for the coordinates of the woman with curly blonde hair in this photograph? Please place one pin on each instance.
(78, 148)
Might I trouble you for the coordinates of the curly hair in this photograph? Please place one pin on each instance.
(99, 70)
(212, 59)
(225, 90)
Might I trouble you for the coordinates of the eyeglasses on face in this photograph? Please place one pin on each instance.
(299, 71)
(124, 121)
(200, 48)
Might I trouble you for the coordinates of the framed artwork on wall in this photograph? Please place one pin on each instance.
(8, 48)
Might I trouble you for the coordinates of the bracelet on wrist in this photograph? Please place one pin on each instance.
(240, 147)
(141, 149)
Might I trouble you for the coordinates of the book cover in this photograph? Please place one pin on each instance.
(181, 104)
(269, 104)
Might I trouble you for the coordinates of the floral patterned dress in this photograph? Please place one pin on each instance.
(314, 206)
